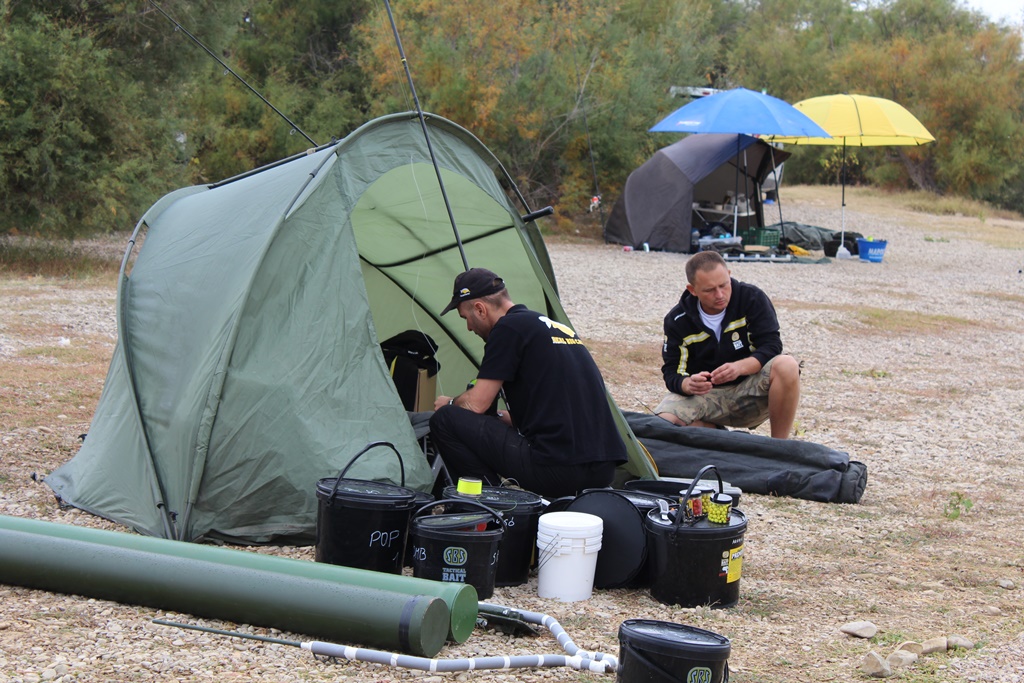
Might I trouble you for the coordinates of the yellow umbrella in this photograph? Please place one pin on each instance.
(858, 121)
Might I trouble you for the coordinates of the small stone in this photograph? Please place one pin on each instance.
(937, 644)
(911, 646)
(874, 665)
(49, 674)
(1005, 583)
(934, 585)
(954, 642)
(861, 629)
(901, 658)
(992, 610)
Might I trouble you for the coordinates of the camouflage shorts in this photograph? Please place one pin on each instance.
(743, 405)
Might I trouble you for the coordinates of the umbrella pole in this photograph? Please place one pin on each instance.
(842, 251)
(842, 181)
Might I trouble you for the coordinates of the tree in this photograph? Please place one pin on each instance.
(74, 158)
(962, 77)
(523, 76)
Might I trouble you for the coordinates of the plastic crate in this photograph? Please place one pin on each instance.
(763, 237)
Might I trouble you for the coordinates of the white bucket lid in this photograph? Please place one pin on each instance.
(571, 524)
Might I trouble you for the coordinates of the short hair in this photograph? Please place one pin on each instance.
(496, 299)
(703, 261)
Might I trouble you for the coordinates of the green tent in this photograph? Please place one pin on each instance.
(248, 363)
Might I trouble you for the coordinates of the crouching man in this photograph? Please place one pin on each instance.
(723, 361)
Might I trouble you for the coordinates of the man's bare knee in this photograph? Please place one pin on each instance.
(785, 369)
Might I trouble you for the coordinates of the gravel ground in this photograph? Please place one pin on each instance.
(911, 366)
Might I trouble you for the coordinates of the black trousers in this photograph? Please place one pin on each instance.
(482, 446)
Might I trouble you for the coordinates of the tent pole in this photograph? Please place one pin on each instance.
(778, 179)
(426, 135)
(122, 327)
(179, 27)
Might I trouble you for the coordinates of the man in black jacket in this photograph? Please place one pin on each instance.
(723, 361)
(557, 436)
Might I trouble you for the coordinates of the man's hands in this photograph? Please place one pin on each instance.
(703, 382)
(697, 385)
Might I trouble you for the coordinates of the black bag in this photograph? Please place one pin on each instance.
(406, 354)
(849, 239)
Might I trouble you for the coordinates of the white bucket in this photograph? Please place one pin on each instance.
(567, 547)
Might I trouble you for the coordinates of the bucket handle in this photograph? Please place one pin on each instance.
(372, 444)
(684, 510)
(460, 501)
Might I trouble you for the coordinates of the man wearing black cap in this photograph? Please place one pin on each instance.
(558, 435)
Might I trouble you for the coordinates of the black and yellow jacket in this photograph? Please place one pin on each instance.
(749, 328)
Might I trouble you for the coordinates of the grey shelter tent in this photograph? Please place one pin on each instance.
(248, 363)
(657, 206)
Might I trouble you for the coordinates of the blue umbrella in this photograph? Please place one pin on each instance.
(739, 111)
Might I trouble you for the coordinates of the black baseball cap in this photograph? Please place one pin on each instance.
(473, 284)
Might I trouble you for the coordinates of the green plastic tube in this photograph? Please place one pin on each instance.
(461, 599)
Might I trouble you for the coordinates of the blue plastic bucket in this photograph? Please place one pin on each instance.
(871, 250)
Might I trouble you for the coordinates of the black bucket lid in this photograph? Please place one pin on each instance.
(642, 500)
(456, 528)
(366, 493)
(457, 521)
(672, 487)
(500, 498)
(701, 527)
(623, 540)
(666, 638)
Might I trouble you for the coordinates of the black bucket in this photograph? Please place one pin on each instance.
(521, 511)
(363, 524)
(693, 561)
(457, 548)
(660, 651)
(421, 500)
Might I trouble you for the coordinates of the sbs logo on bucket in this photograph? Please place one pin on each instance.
(455, 557)
(699, 674)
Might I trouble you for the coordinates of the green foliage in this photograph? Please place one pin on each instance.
(75, 159)
(957, 506)
(531, 79)
(104, 106)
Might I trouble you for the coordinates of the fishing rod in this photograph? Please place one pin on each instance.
(426, 135)
(575, 658)
(179, 27)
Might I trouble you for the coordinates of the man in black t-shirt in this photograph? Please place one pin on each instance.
(557, 435)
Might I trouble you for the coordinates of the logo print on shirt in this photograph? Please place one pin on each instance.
(570, 335)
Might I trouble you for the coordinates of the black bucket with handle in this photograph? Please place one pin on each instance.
(662, 652)
(520, 511)
(363, 524)
(694, 561)
(459, 547)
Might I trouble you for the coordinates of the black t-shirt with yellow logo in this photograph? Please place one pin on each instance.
(553, 388)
